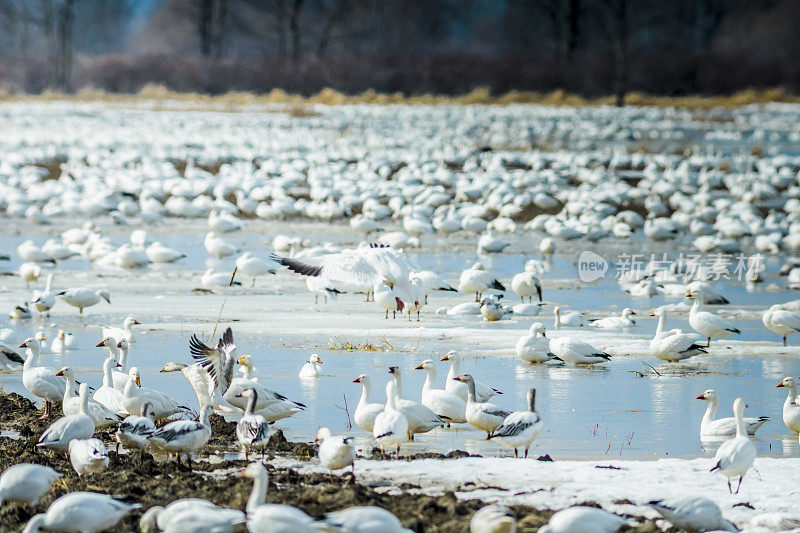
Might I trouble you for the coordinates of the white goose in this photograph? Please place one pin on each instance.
(483, 392)
(735, 456)
(478, 280)
(125, 332)
(520, 428)
(494, 518)
(26, 483)
(217, 246)
(263, 516)
(78, 426)
(135, 395)
(532, 348)
(693, 513)
(791, 411)
(482, 415)
(450, 407)
(615, 322)
(253, 266)
(44, 300)
(672, 345)
(420, 418)
(391, 426)
(90, 511)
(88, 456)
(82, 297)
(158, 253)
(9, 359)
(366, 412)
(525, 285)
(71, 405)
(184, 436)
(135, 430)
(106, 394)
(312, 368)
(175, 516)
(781, 322)
(580, 519)
(723, 427)
(63, 342)
(252, 430)
(566, 318)
(202, 383)
(119, 376)
(361, 519)
(41, 381)
(272, 405)
(577, 352)
(387, 299)
(335, 451)
(706, 323)
(430, 282)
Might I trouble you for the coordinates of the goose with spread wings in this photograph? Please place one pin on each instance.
(218, 360)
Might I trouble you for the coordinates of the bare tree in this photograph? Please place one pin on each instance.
(335, 10)
(295, 7)
(614, 17)
(211, 26)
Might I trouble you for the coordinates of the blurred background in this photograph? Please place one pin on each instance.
(587, 47)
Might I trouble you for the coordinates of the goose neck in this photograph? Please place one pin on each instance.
(259, 494)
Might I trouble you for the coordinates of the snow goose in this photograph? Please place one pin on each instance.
(672, 345)
(82, 297)
(263, 516)
(391, 426)
(266, 397)
(774, 522)
(158, 253)
(26, 483)
(335, 451)
(482, 415)
(566, 318)
(494, 518)
(476, 279)
(217, 246)
(580, 519)
(118, 376)
(135, 395)
(420, 419)
(28, 251)
(615, 322)
(532, 348)
(57, 250)
(87, 512)
(577, 352)
(723, 427)
(29, 272)
(184, 436)
(735, 456)
(41, 381)
(520, 428)
(10, 359)
(203, 384)
(312, 368)
(125, 332)
(204, 520)
(366, 412)
(449, 407)
(387, 299)
(88, 456)
(212, 278)
(71, 405)
(222, 222)
(491, 309)
(706, 323)
(692, 513)
(483, 391)
(219, 360)
(526, 284)
(63, 342)
(547, 246)
(135, 430)
(707, 293)
(159, 518)
(254, 267)
(791, 411)
(361, 519)
(489, 244)
(318, 287)
(430, 282)
(77, 426)
(781, 322)
(44, 300)
(415, 298)
(252, 430)
(129, 257)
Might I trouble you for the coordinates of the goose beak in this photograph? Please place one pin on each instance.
(239, 360)
(418, 367)
(118, 365)
(119, 344)
(445, 357)
(99, 344)
(653, 313)
(779, 385)
(23, 345)
(357, 380)
(136, 322)
(458, 378)
(700, 397)
(633, 312)
(60, 373)
(138, 382)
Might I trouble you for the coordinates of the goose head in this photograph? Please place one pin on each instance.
(788, 382)
(129, 321)
(104, 295)
(362, 378)
(122, 344)
(710, 396)
(254, 471)
(538, 327)
(315, 359)
(322, 434)
(108, 342)
(30, 342)
(628, 312)
(66, 372)
(451, 356)
(739, 406)
(465, 378)
(427, 364)
(657, 312)
(244, 360)
(173, 366)
(134, 376)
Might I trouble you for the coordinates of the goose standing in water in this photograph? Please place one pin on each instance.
(82, 297)
(615, 322)
(482, 415)
(77, 426)
(135, 431)
(88, 456)
(312, 368)
(483, 392)
(202, 383)
(336, 451)
(791, 411)
(252, 430)
(450, 407)
(119, 376)
(724, 427)
(366, 412)
(388, 299)
(430, 282)
(41, 381)
(87, 512)
(525, 285)
(706, 323)
(263, 516)
(63, 342)
(577, 352)
(272, 405)
(566, 318)
(125, 332)
(735, 456)
(26, 483)
(476, 279)
(101, 415)
(693, 513)
(672, 345)
(520, 428)
(391, 426)
(420, 418)
(781, 322)
(106, 394)
(184, 436)
(494, 518)
(532, 348)
(44, 300)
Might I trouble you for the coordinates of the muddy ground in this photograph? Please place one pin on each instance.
(140, 477)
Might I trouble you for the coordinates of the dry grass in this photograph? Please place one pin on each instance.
(340, 343)
(297, 105)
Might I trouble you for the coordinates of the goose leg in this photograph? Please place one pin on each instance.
(784, 340)
(740, 484)
(515, 453)
(387, 314)
(708, 342)
(730, 489)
